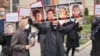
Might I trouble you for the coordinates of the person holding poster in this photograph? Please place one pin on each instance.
(5, 40)
(71, 29)
(53, 41)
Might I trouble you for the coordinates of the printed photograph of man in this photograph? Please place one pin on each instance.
(8, 26)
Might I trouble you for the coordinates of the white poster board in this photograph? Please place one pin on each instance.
(97, 10)
(24, 11)
(6, 24)
(36, 4)
(12, 17)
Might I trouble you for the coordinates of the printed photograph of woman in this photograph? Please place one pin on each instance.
(50, 13)
(38, 14)
(63, 11)
(76, 10)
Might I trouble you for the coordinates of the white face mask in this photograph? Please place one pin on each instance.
(27, 26)
(2, 13)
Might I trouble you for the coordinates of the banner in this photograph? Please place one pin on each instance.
(12, 17)
(36, 4)
(97, 10)
(61, 12)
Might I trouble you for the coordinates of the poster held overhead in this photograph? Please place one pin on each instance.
(38, 14)
(63, 11)
(50, 13)
(36, 4)
(76, 12)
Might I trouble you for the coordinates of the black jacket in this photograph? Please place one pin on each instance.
(95, 28)
(53, 41)
(95, 36)
(72, 29)
(5, 41)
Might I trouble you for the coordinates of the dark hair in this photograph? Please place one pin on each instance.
(10, 24)
(50, 10)
(34, 12)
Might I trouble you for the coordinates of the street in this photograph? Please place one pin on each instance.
(35, 51)
(86, 51)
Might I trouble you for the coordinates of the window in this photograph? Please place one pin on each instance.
(46, 2)
(68, 1)
(97, 1)
(14, 5)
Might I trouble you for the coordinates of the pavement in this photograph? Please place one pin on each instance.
(35, 51)
(86, 51)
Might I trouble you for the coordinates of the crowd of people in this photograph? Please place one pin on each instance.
(50, 34)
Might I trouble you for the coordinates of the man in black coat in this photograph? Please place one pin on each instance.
(53, 41)
(95, 37)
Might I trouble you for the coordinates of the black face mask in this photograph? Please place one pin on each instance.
(54, 25)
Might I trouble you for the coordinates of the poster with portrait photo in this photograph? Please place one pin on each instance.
(63, 11)
(50, 13)
(76, 11)
(9, 26)
(38, 14)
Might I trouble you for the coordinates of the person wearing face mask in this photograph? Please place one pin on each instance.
(19, 43)
(2, 14)
(53, 41)
(71, 29)
(5, 40)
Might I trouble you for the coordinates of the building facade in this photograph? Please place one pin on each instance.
(90, 5)
(26, 3)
